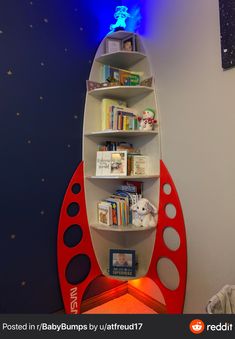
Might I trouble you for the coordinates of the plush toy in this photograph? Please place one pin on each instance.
(145, 213)
(147, 121)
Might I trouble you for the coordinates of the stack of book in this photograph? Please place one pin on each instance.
(116, 210)
(121, 77)
(117, 146)
(116, 116)
(120, 159)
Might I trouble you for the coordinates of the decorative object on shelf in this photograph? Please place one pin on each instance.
(147, 82)
(121, 15)
(145, 213)
(122, 262)
(112, 81)
(113, 45)
(111, 163)
(129, 43)
(92, 85)
(147, 121)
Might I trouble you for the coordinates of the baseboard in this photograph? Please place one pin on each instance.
(118, 291)
(104, 297)
(147, 300)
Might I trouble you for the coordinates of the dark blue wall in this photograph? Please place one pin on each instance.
(47, 47)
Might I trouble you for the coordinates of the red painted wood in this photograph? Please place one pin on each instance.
(72, 294)
(174, 299)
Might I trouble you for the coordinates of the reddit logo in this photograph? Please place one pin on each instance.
(197, 326)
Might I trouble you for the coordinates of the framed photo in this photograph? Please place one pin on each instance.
(128, 44)
(119, 163)
(111, 163)
(122, 263)
(113, 45)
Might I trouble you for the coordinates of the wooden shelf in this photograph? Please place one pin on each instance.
(127, 228)
(126, 177)
(120, 92)
(121, 59)
(109, 133)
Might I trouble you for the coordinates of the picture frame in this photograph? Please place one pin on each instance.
(118, 163)
(111, 163)
(112, 45)
(129, 44)
(122, 262)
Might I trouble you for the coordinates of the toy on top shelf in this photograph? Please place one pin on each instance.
(121, 14)
(145, 213)
(147, 121)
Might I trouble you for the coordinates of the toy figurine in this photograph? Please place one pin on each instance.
(120, 15)
(147, 121)
(145, 213)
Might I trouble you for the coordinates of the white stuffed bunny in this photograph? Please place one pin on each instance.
(145, 213)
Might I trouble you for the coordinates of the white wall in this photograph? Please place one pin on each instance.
(197, 108)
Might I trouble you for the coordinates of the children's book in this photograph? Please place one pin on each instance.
(139, 165)
(104, 210)
(105, 111)
(116, 211)
(103, 163)
(121, 76)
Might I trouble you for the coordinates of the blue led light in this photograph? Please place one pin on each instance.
(133, 23)
(121, 14)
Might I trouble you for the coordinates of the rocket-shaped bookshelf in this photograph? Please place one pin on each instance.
(83, 243)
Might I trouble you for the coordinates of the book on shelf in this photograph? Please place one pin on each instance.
(119, 205)
(120, 158)
(120, 76)
(116, 116)
(104, 212)
(106, 108)
(139, 165)
(131, 187)
(111, 163)
(118, 146)
(116, 212)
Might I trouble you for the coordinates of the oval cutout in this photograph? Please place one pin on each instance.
(171, 238)
(76, 188)
(73, 209)
(78, 269)
(170, 211)
(167, 189)
(73, 236)
(168, 273)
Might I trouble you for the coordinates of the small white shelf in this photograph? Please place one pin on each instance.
(127, 228)
(120, 92)
(121, 133)
(126, 177)
(121, 59)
